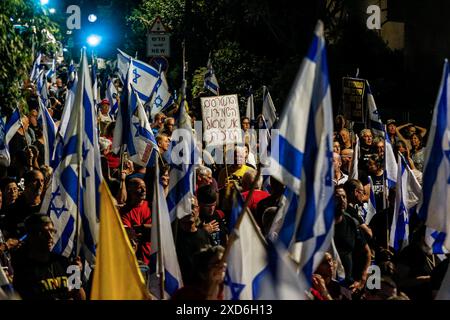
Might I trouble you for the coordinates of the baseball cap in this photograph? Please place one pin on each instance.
(391, 121)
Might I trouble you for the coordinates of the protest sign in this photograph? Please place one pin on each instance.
(353, 98)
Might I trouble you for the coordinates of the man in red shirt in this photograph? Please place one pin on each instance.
(136, 214)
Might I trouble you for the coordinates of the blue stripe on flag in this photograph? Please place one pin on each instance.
(63, 241)
(146, 68)
(290, 157)
(256, 283)
(69, 181)
(174, 196)
(171, 283)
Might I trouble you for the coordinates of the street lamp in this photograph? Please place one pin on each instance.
(52, 10)
(44, 2)
(93, 40)
(92, 17)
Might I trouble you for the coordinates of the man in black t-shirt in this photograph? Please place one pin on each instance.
(350, 243)
(40, 274)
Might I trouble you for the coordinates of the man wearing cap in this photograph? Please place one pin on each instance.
(392, 131)
(213, 220)
(40, 274)
(104, 117)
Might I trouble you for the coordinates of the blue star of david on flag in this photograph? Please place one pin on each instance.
(235, 288)
(53, 208)
(136, 75)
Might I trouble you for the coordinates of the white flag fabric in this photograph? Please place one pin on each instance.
(161, 229)
(407, 196)
(374, 117)
(268, 109)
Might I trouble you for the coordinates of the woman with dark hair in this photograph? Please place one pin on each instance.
(400, 147)
(417, 151)
(376, 171)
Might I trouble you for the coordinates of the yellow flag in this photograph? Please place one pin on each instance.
(116, 274)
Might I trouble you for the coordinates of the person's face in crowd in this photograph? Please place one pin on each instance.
(104, 109)
(411, 130)
(207, 209)
(170, 123)
(190, 219)
(415, 142)
(59, 83)
(391, 128)
(245, 124)
(359, 193)
(367, 137)
(137, 190)
(12, 193)
(340, 198)
(32, 117)
(401, 148)
(45, 235)
(217, 268)
(239, 156)
(380, 148)
(165, 178)
(326, 267)
(345, 136)
(346, 157)
(159, 121)
(36, 185)
(164, 144)
(336, 147)
(336, 161)
(205, 179)
(372, 167)
(25, 123)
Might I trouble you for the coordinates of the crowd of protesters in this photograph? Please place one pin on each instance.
(27, 235)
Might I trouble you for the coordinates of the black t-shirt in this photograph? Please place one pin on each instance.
(188, 243)
(349, 243)
(14, 222)
(378, 191)
(364, 153)
(40, 280)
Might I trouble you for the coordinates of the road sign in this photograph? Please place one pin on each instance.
(158, 40)
(160, 62)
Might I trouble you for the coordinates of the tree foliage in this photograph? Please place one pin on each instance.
(22, 30)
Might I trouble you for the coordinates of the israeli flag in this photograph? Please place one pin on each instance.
(268, 109)
(143, 77)
(161, 98)
(7, 130)
(184, 155)
(304, 160)
(36, 68)
(163, 245)
(111, 95)
(142, 144)
(408, 192)
(390, 164)
(210, 81)
(74, 192)
(434, 207)
(374, 117)
(48, 130)
(246, 261)
(71, 74)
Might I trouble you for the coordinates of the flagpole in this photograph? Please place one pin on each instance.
(79, 154)
(158, 234)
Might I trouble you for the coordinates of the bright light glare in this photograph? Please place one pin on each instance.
(44, 2)
(92, 17)
(93, 40)
(52, 10)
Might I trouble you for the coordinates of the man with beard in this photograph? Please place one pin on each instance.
(136, 214)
